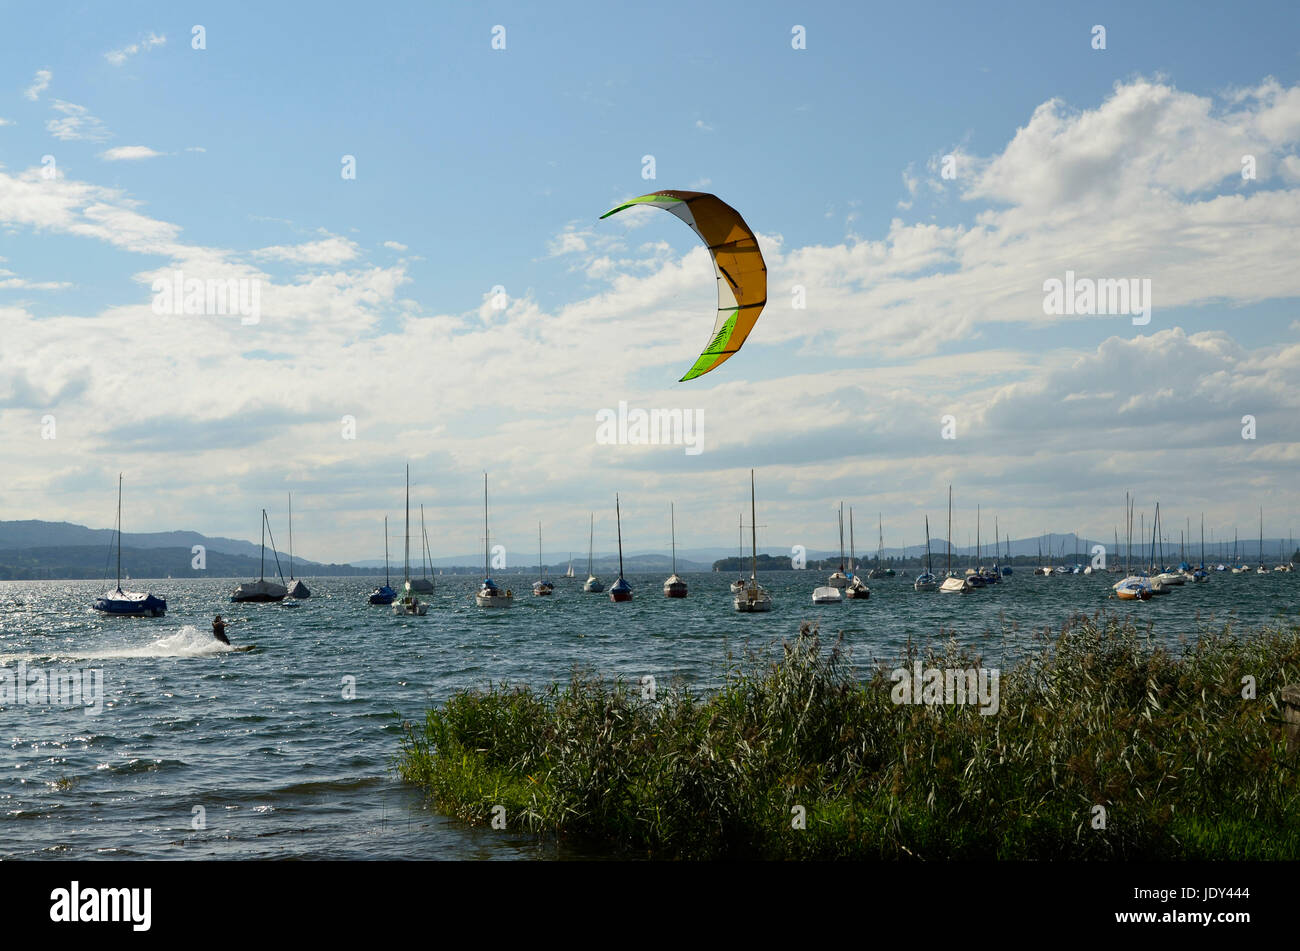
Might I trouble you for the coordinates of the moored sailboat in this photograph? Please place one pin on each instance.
(674, 587)
(953, 583)
(754, 598)
(857, 589)
(926, 580)
(541, 587)
(490, 594)
(408, 603)
(384, 595)
(261, 590)
(127, 603)
(592, 585)
(296, 588)
(620, 590)
(424, 585)
(838, 578)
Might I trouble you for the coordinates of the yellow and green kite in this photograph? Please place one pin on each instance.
(742, 275)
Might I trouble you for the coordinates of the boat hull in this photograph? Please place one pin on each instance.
(827, 595)
(259, 592)
(593, 586)
(130, 604)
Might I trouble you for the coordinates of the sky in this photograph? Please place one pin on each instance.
(915, 173)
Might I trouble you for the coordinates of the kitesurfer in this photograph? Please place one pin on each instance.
(219, 629)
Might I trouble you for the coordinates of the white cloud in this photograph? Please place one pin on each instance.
(853, 387)
(4, 121)
(77, 124)
(128, 153)
(327, 251)
(40, 83)
(119, 56)
(394, 245)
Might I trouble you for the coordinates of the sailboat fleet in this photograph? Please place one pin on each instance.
(1144, 577)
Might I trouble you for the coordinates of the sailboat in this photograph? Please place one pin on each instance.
(1262, 569)
(1131, 587)
(953, 584)
(490, 595)
(593, 584)
(424, 585)
(839, 579)
(408, 603)
(620, 590)
(569, 573)
(127, 603)
(296, 588)
(262, 590)
(880, 549)
(878, 571)
(926, 581)
(541, 587)
(739, 583)
(1200, 574)
(674, 587)
(384, 594)
(857, 589)
(754, 598)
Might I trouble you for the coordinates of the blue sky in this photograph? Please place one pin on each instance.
(479, 167)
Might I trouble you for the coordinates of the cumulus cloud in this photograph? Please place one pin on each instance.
(901, 327)
(128, 153)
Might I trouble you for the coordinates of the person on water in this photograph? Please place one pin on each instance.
(219, 629)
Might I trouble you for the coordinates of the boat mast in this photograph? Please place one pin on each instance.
(591, 534)
(841, 533)
(262, 570)
(618, 516)
(119, 531)
(928, 566)
(387, 582)
(979, 554)
(540, 569)
(949, 568)
(672, 522)
(290, 536)
(753, 530)
(853, 554)
(406, 570)
(487, 573)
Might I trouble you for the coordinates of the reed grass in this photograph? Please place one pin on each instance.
(1183, 764)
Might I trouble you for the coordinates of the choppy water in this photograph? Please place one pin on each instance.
(283, 765)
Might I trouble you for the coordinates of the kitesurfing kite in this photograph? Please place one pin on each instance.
(742, 275)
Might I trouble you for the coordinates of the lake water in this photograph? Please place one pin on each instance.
(264, 747)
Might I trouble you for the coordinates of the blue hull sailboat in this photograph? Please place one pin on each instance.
(384, 594)
(127, 603)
